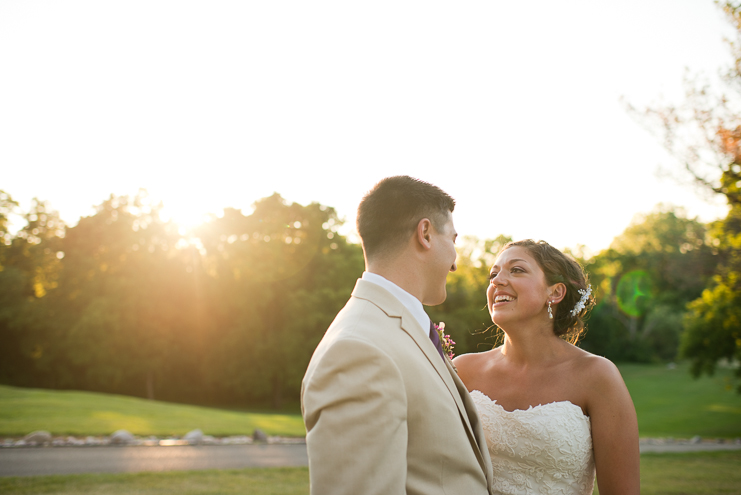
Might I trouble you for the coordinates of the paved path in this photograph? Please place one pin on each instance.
(688, 447)
(70, 460)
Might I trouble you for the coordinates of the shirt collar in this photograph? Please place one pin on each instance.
(410, 302)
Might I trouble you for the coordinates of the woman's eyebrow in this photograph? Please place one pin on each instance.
(508, 263)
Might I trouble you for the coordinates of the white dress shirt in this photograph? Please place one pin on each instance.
(409, 301)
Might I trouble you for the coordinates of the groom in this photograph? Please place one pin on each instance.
(385, 412)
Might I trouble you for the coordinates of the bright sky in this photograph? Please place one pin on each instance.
(511, 107)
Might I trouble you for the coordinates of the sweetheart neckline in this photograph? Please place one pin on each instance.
(531, 408)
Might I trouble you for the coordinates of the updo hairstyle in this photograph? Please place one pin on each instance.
(559, 267)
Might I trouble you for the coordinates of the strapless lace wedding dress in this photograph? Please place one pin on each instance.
(546, 449)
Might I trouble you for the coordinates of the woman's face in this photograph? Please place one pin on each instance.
(517, 290)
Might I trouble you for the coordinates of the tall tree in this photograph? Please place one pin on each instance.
(704, 134)
(276, 279)
(118, 313)
(7, 207)
(29, 269)
(643, 282)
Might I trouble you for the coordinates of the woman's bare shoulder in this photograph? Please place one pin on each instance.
(598, 374)
(470, 365)
(595, 366)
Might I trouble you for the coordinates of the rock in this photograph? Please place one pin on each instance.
(259, 436)
(194, 437)
(75, 441)
(696, 439)
(38, 437)
(121, 437)
(293, 440)
(236, 440)
(209, 440)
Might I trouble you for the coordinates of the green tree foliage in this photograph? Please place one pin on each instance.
(29, 268)
(121, 302)
(643, 282)
(704, 134)
(713, 324)
(276, 279)
(124, 297)
(7, 207)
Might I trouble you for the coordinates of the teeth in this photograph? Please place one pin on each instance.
(504, 298)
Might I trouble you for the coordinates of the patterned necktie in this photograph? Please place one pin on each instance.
(435, 338)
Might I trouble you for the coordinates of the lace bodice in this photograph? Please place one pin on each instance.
(546, 449)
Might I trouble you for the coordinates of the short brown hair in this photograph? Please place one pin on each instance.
(389, 213)
(560, 267)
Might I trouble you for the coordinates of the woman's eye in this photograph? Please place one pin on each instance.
(492, 276)
(517, 269)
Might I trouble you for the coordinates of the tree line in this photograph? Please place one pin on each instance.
(231, 313)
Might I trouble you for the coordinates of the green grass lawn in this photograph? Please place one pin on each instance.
(264, 481)
(670, 403)
(703, 473)
(24, 410)
(661, 474)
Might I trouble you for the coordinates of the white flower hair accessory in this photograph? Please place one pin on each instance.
(583, 301)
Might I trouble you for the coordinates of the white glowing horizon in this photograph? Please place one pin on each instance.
(512, 109)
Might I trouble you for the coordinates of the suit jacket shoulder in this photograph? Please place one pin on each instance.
(383, 413)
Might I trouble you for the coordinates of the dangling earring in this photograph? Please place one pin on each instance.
(550, 311)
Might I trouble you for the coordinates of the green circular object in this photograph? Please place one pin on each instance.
(635, 292)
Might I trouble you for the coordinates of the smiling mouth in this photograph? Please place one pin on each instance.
(502, 299)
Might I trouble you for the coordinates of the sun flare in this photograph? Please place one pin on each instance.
(186, 215)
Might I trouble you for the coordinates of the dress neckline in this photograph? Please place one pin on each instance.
(531, 408)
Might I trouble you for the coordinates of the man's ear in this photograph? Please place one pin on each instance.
(423, 233)
(557, 292)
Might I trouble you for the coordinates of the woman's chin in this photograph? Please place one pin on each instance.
(498, 319)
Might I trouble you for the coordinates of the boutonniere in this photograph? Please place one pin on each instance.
(445, 339)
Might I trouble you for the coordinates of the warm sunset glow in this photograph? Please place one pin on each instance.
(210, 106)
(186, 216)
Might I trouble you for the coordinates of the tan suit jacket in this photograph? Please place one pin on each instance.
(384, 413)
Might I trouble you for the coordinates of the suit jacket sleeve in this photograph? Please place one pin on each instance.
(355, 412)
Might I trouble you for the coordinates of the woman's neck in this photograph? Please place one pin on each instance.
(533, 345)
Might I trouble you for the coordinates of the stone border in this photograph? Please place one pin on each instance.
(123, 437)
(196, 437)
(696, 440)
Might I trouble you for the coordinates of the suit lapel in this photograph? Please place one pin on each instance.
(476, 428)
(444, 368)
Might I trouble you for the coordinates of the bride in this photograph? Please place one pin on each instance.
(552, 413)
